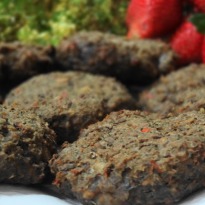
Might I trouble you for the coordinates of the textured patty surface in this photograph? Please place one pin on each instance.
(134, 158)
(26, 145)
(70, 101)
(130, 61)
(180, 91)
(19, 62)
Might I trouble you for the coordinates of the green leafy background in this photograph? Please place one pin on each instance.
(48, 21)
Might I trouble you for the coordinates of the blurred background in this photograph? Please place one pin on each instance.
(48, 21)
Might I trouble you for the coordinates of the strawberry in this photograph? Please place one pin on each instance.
(187, 43)
(153, 18)
(203, 51)
(200, 5)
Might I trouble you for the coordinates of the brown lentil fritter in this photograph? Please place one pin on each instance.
(70, 101)
(180, 91)
(26, 145)
(19, 62)
(134, 158)
(130, 61)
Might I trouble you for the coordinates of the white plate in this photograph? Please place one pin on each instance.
(19, 195)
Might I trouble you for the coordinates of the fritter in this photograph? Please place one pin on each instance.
(19, 62)
(180, 91)
(134, 158)
(70, 101)
(26, 145)
(130, 61)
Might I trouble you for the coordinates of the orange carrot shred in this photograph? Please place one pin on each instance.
(145, 129)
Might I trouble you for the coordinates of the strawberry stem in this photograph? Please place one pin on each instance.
(199, 21)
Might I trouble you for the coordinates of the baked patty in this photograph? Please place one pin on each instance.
(134, 158)
(19, 62)
(70, 101)
(26, 145)
(179, 91)
(130, 61)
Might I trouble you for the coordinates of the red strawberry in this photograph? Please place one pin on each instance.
(200, 5)
(153, 18)
(203, 51)
(187, 43)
